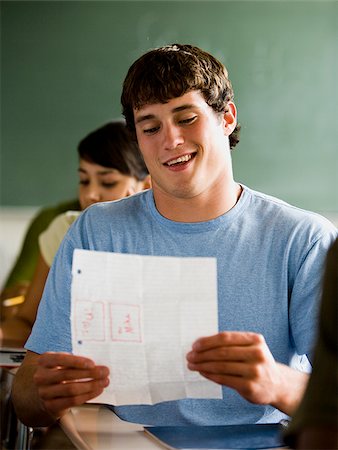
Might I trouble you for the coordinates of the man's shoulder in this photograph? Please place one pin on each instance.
(288, 213)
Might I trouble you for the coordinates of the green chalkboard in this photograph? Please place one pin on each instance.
(63, 63)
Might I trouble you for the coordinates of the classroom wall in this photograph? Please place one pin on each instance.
(63, 63)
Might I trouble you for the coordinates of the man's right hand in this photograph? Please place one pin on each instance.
(47, 385)
(64, 380)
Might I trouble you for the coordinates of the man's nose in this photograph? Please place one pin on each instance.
(173, 137)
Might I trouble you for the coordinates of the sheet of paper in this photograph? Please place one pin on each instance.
(139, 315)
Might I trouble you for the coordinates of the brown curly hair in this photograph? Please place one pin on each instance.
(171, 71)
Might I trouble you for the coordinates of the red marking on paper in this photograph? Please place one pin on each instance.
(90, 321)
(125, 320)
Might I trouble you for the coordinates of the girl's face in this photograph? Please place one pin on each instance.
(99, 184)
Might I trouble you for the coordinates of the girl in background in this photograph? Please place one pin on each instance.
(110, 167)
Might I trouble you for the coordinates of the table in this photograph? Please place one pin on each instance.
(95, 427)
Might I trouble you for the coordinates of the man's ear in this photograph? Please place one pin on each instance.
(230, 118)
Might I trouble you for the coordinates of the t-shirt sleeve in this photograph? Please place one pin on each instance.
(51, 330)
(306, 294)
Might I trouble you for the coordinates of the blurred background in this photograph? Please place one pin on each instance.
(63, 64)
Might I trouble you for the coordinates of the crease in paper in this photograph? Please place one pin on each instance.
(139, 315)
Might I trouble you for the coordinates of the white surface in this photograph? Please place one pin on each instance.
(139, 315)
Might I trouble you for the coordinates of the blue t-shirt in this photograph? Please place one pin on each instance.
(270, 259)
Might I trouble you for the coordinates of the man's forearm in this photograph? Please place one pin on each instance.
(292, 387)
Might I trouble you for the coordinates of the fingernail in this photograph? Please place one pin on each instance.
(196, 345)
(191, 355)
(88, 365)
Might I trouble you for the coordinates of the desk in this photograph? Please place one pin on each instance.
(95, 427)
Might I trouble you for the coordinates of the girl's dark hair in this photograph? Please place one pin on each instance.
(171, 71)
(112, 145)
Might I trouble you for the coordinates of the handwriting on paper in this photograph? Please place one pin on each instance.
(124, 321)
(90, 321)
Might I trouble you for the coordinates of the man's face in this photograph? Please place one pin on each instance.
(185, 145)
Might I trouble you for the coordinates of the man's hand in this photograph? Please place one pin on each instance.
(64, 380)
(47, 385)
(243, 361)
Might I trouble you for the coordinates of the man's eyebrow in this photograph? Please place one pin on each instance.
(145, 117)
(174, 110)
(183, 107)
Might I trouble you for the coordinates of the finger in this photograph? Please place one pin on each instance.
(221, 368)
(227, 338)
(248, 353)
(72, 389)
(55, 359)
(230, 381)
(55, 406)
(47, 376)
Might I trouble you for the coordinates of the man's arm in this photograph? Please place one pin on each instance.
(47, 385)
(243, 361)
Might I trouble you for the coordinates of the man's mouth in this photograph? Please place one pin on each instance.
(180, 160)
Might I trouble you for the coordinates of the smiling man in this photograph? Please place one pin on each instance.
(186, 146)
(178, 101)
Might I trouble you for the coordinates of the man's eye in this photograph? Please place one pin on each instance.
(189, 120)
(150, 130)
(84, 182)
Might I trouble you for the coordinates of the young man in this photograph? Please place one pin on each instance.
(179, 102)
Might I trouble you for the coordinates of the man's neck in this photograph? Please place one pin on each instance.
(200, 208)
